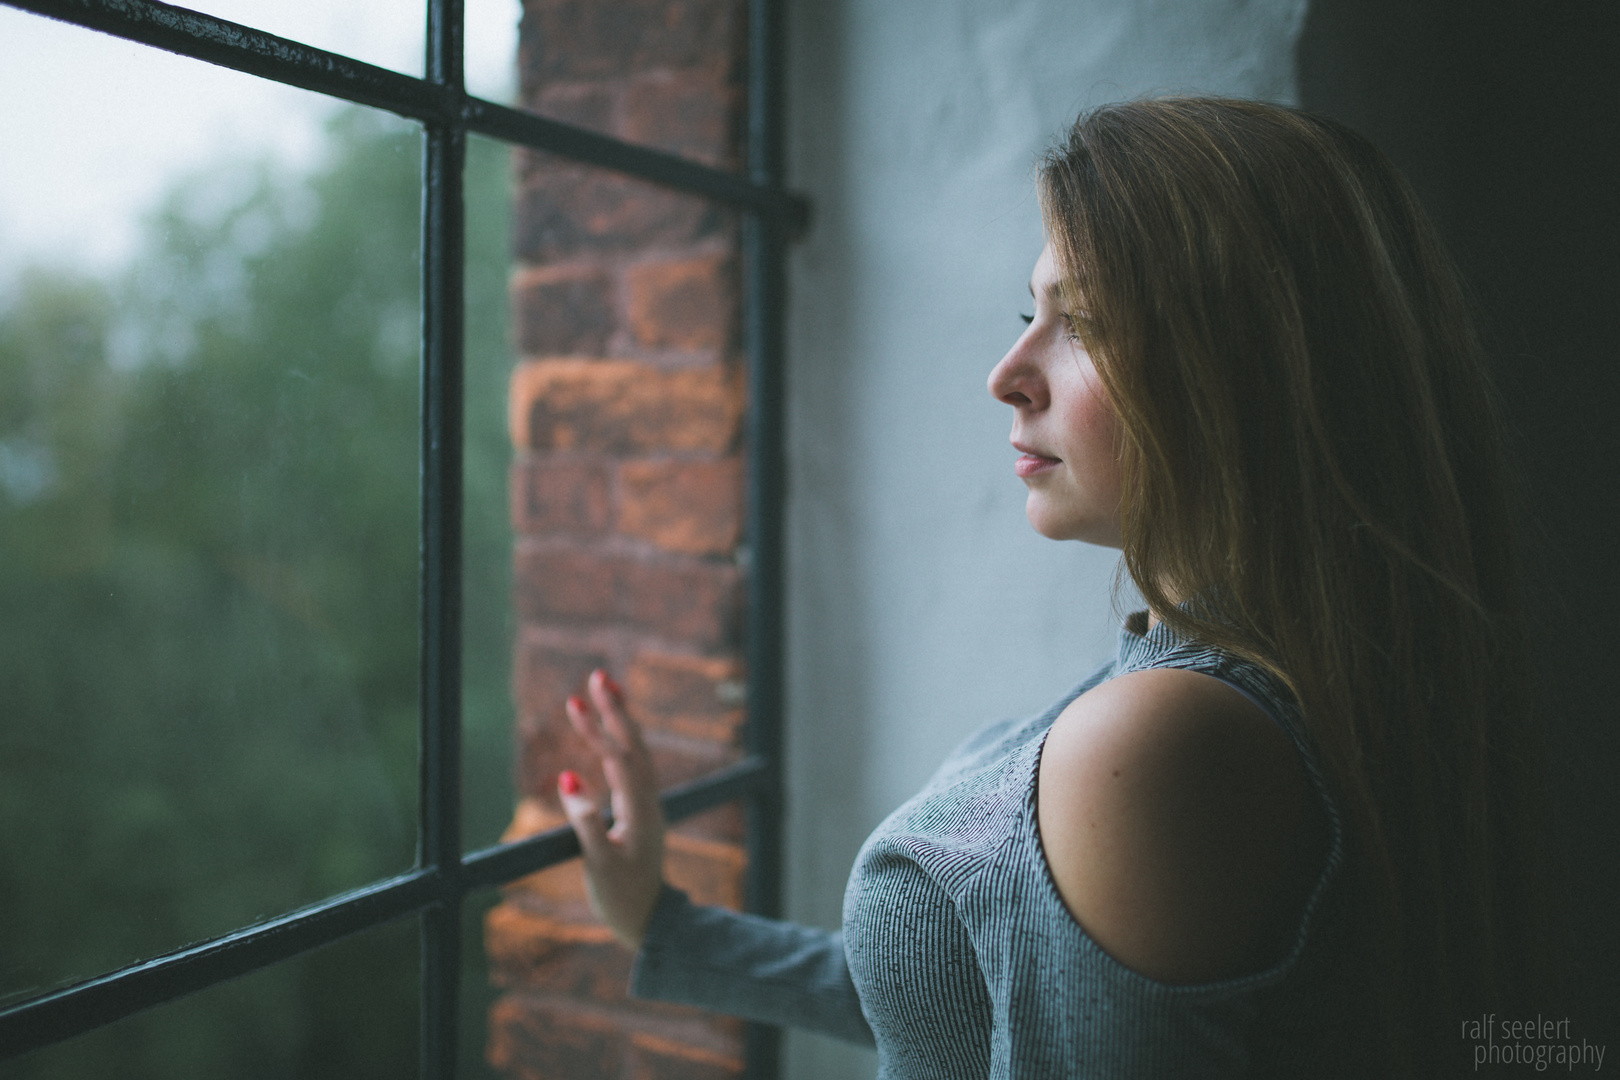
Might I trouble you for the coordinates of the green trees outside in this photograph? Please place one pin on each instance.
(208, 603)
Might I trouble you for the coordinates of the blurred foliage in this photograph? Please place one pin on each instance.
(208, 602)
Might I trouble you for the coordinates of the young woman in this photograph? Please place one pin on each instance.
(1287, 831)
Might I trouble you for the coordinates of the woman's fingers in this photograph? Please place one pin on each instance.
(584, 815)
(635, 783)
(585, 721)
(626, 763)
(624, 862)
(607, 727)
(609, 699)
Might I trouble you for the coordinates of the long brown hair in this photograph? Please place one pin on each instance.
(1312, 452)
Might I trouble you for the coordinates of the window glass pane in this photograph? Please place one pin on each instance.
(487, 621)
(208, 528)
(345, 1012)
(386, 33)
(96, 129)
(491, 32)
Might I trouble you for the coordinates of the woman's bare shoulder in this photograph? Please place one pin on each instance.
(1179, 825)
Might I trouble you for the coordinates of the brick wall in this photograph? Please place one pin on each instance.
(626, 496)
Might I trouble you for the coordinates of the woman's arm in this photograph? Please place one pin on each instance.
(744, 965)
(760, 969)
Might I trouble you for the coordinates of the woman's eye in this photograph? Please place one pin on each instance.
(1027, 319)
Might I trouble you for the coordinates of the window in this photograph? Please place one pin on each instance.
(433, 890)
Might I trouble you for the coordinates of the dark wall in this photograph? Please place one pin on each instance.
(1505, 116)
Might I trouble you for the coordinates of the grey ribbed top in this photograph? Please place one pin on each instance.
(959, 959)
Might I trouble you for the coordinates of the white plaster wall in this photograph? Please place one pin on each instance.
(921, 602)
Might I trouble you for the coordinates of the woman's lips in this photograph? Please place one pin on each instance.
(1033, 464)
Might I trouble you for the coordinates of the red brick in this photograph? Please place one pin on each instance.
(590, 39)
(709, 871)
(692, 507)
(565, 209)
(725, 823)
(682, 760)
(624, 406)
(588, 105)
(545, 676)
(563, 309)
(653, 1057)
(696, 603)
(683, 303)
(691, 113)
(695, 696)
(566, 583)
(531, 951)
(561, 495)
(685, 600)
(552, 1039)
(557, 891)
(546, 749)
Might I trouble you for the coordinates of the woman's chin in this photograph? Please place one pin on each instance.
(1042, 520)
(1055, 526)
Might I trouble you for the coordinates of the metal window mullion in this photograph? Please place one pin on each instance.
(764, 252)
(593, 148)
(762, 246)
(75, 1010)
(443, 314)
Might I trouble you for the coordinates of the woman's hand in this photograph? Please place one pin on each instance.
(624, 865)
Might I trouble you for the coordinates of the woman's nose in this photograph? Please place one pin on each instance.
(1015, 380)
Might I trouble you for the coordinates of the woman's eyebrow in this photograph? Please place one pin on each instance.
(1054, 292)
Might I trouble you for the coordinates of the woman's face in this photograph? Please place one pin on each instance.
(1063, 423)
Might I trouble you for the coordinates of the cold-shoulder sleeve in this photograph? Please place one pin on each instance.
(970, 966)
(759, 969)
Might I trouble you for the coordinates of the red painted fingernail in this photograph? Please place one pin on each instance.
(612, 685)
(568, 782)
(577, 702)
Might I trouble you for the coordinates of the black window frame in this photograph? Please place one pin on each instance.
(444, 874)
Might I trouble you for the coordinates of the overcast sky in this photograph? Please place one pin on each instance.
(93, 128)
